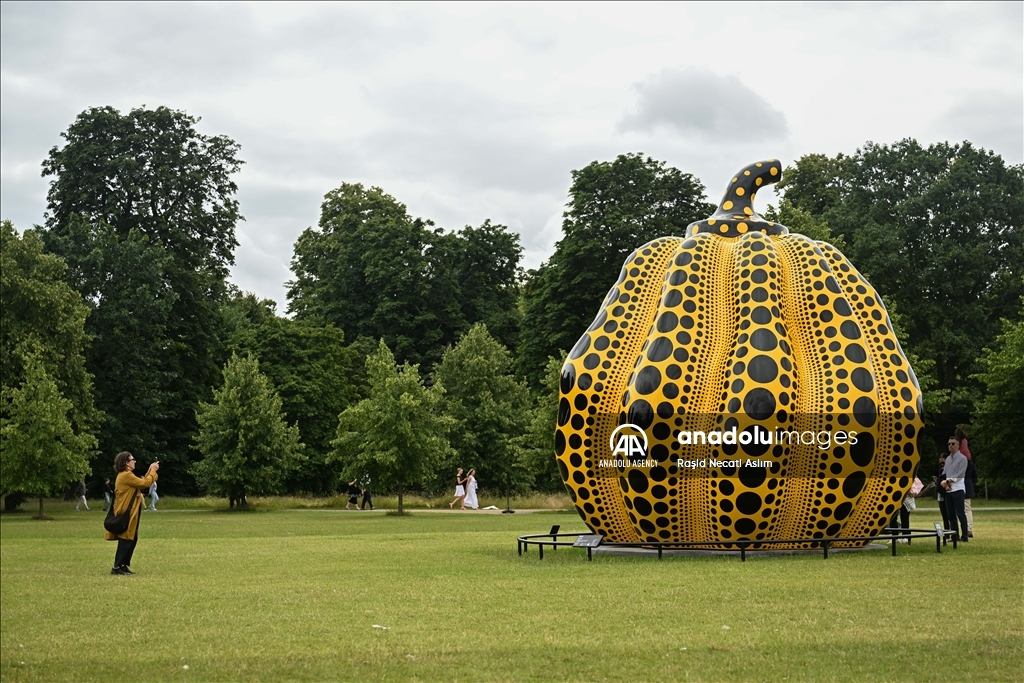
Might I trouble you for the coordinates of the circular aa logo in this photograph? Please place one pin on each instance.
(625, 442)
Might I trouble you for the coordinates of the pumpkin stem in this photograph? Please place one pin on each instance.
(735, 215)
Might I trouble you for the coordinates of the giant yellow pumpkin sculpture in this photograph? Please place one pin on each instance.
(773, 398)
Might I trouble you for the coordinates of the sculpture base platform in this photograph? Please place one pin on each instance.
(653, 552)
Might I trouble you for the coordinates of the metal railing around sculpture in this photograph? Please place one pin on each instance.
(890, 534)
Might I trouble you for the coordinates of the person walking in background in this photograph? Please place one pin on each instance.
(353, 495)
(460, 491)
(953, 483)
(127, 488)
(154, 498)
(80, 496)
(108, 494)
(364, 483)
(470, 500)
(970, 479)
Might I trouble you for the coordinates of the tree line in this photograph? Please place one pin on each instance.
(407, 349)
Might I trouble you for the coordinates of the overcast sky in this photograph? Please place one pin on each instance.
(466, 112)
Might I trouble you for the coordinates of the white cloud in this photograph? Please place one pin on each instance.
(698, 102)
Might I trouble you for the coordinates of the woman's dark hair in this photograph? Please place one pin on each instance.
(960, 434)
(121, 460)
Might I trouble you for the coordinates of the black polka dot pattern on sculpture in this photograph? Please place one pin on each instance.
(594, 400)
(898, 398)
(745, 330)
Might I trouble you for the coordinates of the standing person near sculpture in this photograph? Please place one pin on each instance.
(471, 486)
(460, 491)
(108, 494)
(908, 506)
(970, 479)
(127, 488)
(80, 496)
(154, 498)
(953, 483)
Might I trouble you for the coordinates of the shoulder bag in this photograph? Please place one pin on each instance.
(118, 524)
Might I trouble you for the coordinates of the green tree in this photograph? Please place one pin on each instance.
(41, 310)
(373, 271)
(816, 183)
(315, 374)
(398, 434)
(614, 207)
(40, 452)
(247, 447)
(803, 222)
(536, 447)
(488, 271)
(937, 229)
(42, 315)
(1001, 412)
(489, 408)
(142, 209)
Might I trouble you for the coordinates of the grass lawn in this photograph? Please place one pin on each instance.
(295, 594)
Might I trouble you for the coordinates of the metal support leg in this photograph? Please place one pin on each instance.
(519, 548)
(743, 553)
(541, 546)
(590, 555)
(824, 550)
(894, 545)
(659, 553)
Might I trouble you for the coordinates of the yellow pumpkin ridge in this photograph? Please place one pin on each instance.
(599, 365)
(898, 401)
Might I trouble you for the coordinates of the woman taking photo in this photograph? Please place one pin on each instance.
(127, 496)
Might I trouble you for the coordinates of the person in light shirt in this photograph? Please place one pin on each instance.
(953, 485)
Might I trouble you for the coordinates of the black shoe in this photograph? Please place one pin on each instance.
(126, 571)
(116, 571)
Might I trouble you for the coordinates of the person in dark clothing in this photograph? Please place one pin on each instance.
(367, 494)
(80, 496)
(353, 494)
(108, 494)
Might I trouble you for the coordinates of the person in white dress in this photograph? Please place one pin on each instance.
(460, 490)
(470, 501)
